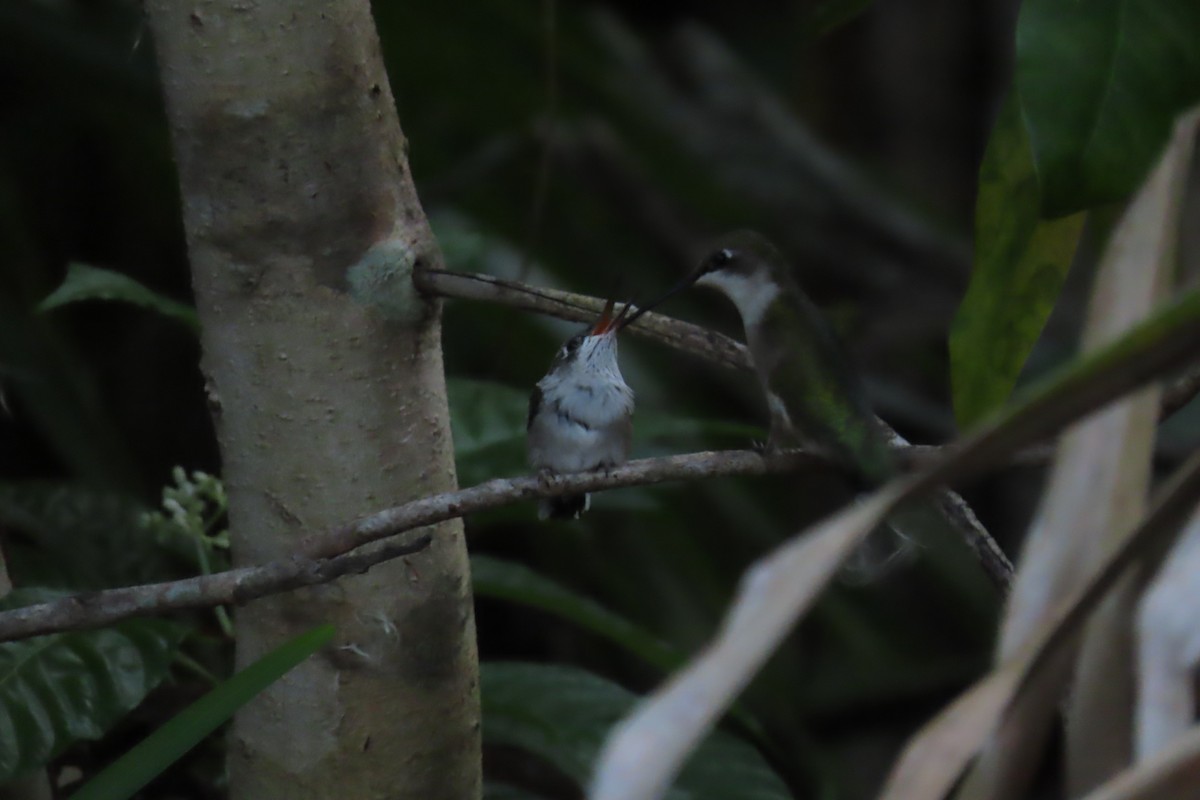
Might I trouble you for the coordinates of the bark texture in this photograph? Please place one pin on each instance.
(325, 378)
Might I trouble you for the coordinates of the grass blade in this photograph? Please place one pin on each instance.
(144, 762)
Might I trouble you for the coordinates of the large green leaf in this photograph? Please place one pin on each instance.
(63, 687)
(563, 714)
(81, 537)
(139, 766)
(488, 422)
(1101, 83)
(92, 283)
(508, 580)
(1021, 262)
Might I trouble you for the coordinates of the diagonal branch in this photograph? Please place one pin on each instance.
(709, 345)
(324, 557)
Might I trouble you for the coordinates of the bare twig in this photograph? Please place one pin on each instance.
(1180, 393)
(709, 345)
(322, 558)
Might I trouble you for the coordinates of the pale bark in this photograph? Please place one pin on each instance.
(325, 376)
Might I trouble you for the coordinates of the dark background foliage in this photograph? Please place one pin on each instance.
(592, 147)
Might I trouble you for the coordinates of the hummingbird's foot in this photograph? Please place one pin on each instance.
(546, 477)
(604, 468)
(769, 447)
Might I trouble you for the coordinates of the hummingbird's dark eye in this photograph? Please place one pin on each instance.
(719, 259)
(571, 346)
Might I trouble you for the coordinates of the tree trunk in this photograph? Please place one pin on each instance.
(325, 378)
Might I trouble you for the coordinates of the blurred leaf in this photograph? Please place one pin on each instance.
(488, 423)
(1168, 776)
(1112, 455)
(83, 538)
(63, 687)
(661, 433)
(1020, 265)
(933, 760)
(502, 791)
(1100, 85)
(782, 586)
(830, 15)
(45, 380)
(563, 714)
(508, 580)
(165, 746)
(1059, 584)
(92, 283)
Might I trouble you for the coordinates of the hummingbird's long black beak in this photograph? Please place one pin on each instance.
(624, 320)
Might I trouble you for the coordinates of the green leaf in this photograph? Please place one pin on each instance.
(508, 580)
(828, 16)
(488, 423)
(517, 583)
(1101, 84)
(57, 689)
(493, 790)
(1020, 265)
(82, 537)
(139, 766)
(92, 283)
(563, 714)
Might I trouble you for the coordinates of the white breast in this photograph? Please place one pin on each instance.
(582, 425)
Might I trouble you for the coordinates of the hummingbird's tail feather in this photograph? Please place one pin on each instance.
(947, 558)
(569, 506)
(886, 549)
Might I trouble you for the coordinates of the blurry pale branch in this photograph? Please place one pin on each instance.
(321, 558)
(1097, 491)
(935, 758)
(1167, 648)
(646, 750)
(1134, 276)
(1171, 774)
(1181, 392)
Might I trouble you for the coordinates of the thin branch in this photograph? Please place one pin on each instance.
(322, 558)
(1181, 392)
(709, 345)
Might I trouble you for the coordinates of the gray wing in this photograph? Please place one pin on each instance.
(535, 403)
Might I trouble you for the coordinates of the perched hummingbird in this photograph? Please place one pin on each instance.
(813, 394)
(815, 398)
(581, 412)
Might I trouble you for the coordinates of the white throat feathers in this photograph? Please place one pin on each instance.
(752, 294)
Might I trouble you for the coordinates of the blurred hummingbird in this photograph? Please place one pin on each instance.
(581, 412)
(815, 398)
